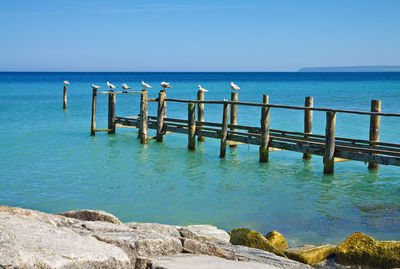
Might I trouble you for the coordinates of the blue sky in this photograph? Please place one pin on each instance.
(279, 35)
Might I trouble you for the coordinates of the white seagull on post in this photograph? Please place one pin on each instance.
(66, 82)
(125, 87)
(235, 87)
(95, 87)
(145, 85)
(111, 86)
(202, 89)
(165, 85)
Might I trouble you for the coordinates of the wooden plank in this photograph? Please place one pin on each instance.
(102, 130)
(363, 157)
(119, 92)
(191, 126)
(263, 151)
(329, 163)
(339, 160)
(161, 114)
(143, 126)
(224, 132)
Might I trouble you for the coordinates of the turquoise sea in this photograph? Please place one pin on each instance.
(49, 161)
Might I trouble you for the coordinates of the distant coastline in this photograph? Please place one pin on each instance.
(381, 68)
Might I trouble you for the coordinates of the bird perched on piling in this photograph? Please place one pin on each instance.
(95, 87)
(111, 86)
(235, 87)
(125, 87)
(145, 85)
(165, 85)
(66, 82)
(202, 89)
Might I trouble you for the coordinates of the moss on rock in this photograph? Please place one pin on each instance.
(253, 239)
(360, 249)
(277, 240)
(310, 254)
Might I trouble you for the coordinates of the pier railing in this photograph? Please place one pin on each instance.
(332, 148)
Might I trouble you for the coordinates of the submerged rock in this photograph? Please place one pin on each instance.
(204, 233)
(360, 249)
(253, 239)
(277, 240)
(310, 254)
(91, 215)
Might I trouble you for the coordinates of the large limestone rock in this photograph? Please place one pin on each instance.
(253, 239)
(155, 228)
(204, 233)
(26, 242)
(360, 249)
(91, 215)
(277, 240)
(196, 247)
(310, 254)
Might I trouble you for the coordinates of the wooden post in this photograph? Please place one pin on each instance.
(234, 112)
(224, 132)
(374, 127)
(111, 113)
(191, 126)
(264, 131)
(65, 97)
(161, 114)
(329, 159)
(200, 113)
(143, 118)
(308, 115)
(93, 123)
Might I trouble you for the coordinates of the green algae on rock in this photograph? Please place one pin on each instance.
(253, 239)
(360, 249)
(277, 240)
(310, 254)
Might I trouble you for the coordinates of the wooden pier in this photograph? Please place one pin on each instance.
(333, 149)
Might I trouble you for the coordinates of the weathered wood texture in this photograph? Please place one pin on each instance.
(200, 114)
(111, 113)
(329, 160)
(143, 126)
(308, 114)
(65, 97)
(234, 112)
(224, 132)
(161, 114)
(93, 121)
(191, 126)
(264, 131)
(374, 129)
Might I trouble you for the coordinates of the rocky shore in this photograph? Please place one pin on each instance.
(96, 239)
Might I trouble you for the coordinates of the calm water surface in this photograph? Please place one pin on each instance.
(49, 161)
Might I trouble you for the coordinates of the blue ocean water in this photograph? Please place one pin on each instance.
(49, 161)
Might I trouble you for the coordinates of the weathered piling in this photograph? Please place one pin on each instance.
(143, 124)
(200, 114)
(234, 112)
(93, 122)
(191, 126)
(264, 131)
(329, 159)
(161, 114)
(308, 115)
(224, 131)
(111, 113)
(65, 97)
(374, 128)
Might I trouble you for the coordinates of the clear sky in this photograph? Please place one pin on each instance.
(155, 35)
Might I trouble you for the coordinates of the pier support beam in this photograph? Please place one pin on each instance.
(191, 126)
(308, 115)
(161, 114)
(374, 128)
(111, 113)
(224, 132)
(329, 160)
(65, 97)
(264, 152)
(200, 113)
(234, 112)
(93, 122)
(143, 124)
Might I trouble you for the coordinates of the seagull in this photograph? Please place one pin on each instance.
(109, 85)
(125, 87)
(95, 87)
(66, 82)
(202, 89)
(145, 85)
(235, 87)
(165, 85)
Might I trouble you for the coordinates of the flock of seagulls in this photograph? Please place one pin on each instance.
(164, 85)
